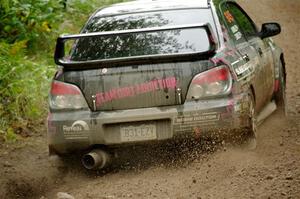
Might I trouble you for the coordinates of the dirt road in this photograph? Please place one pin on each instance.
(180, 171)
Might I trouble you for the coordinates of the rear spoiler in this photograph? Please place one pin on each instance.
(159, 58)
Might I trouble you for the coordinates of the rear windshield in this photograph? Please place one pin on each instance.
(143, 44)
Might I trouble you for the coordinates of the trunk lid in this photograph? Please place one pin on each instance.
(139, 86)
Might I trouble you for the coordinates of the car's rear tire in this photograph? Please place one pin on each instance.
(280, 95)
(250, 134)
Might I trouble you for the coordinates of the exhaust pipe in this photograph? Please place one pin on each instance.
(96, 159)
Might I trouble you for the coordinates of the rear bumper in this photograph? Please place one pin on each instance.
(69, 131)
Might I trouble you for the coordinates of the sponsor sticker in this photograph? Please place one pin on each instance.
(228, 16)
(124, 92)
(241, 69)
(76, 131)
(238, 35)
(198, 117)
(234, 29)
(104, 70)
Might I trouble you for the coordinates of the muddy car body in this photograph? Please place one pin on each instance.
(146, 71)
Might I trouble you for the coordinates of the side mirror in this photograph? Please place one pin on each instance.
(269, 30)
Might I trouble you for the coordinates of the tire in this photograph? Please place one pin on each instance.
(280, 95)
(250, 134)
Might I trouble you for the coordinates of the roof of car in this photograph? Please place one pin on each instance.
(151, 5)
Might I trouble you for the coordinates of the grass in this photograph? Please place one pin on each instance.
(28, 65)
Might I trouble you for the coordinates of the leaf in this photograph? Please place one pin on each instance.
(18, 46)
(46, 27)
(10, 135)
(7, 28)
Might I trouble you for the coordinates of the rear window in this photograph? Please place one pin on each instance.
(148, 20)
(147, 43)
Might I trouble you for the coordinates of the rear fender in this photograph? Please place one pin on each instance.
(278, 57)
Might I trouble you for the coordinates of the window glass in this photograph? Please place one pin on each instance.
(243, 21)
(149, 20)
(237, 25)
(230, 28)
(140, 44)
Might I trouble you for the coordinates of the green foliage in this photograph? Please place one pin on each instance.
(31, 20)
(10, 136)
(78, 12)
(23, 87)
(28, 29)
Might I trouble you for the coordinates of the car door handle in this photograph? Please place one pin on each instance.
(246, 58)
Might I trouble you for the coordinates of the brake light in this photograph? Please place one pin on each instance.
(66, 96)
(60, 88)
(212, 83)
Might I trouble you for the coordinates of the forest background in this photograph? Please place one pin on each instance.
(28, 32)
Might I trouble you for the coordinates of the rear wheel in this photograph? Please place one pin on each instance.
(280, 95)
(251, 131)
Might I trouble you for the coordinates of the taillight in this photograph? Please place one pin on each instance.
(66, 96)
(212, 83)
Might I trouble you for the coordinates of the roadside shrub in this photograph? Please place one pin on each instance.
(30, 20)
(23, 88)
(28, 30)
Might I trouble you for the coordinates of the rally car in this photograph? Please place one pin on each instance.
(145, 71)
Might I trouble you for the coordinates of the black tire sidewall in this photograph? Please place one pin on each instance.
(280, 95)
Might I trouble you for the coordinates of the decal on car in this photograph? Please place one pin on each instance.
(104, 70)
(228, 16)
(234, 29)
(197, 117)
(242, 69)
(119, 93)
(189, 122)
(76, 130)
(238, 35)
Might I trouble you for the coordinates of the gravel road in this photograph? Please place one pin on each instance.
(181, 170)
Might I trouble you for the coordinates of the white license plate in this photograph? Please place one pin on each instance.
(138, 133)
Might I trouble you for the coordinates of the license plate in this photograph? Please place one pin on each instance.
(138, 133)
